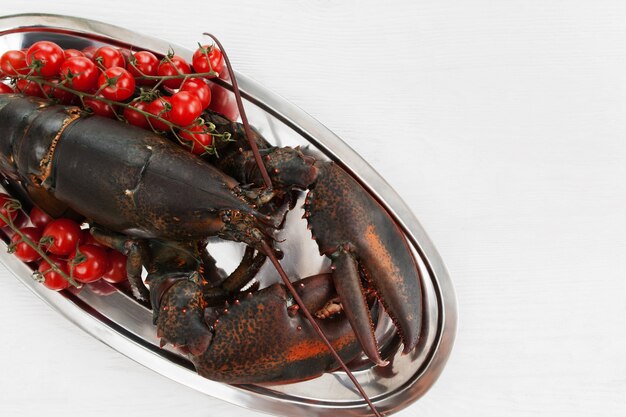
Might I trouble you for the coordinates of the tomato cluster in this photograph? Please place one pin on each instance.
(165, 94)
(73, 250)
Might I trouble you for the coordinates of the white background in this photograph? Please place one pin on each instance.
(503, 126)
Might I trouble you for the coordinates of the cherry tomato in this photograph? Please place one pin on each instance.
(71, 53)
(45, 57)
(52, 279)
(23, 250)
(4, 200)
(93, 267)
(225, 75)
(109, 57)
(143, 63)
(199, 139)
(186, 107)
(214, 62)
(175, 66)
(120, 85)
(5, 89)
(30, 88)
(39, 218)
(66, 235)
(126, 54)
(223, 102)
(99, 107)
(86, 238)
(64, 97)
(199, 88)
(160, 107)
(90, 51)
(80, 72)
(117, 268)
(20, 221)
(135, 118)
(14, 62)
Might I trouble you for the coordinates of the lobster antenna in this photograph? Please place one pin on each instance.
(316, 327)
(266, 246)
(242, 112)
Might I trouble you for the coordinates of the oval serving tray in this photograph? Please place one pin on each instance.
(123, 324)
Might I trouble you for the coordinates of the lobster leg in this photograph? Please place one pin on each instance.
(135, 250)
(211, 273)
(136, 253)
(244, 273)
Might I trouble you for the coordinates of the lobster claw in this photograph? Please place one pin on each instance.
(362, 240)
(353, 229)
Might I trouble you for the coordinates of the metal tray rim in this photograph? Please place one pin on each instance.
(330, 144)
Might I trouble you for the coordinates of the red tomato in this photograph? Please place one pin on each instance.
(64, 97)
(159, 107)
(143, 63)
(45, 57)
(30, 88)
(126, 54)
(86, 238)
(23, 250)
(117, 268)
(109, 57)
(223, 102)
(99, 107)
(5, 89)
(199, 139)
(65, 234)
(80, 72)
(93, 267)
(135, 118)
(90, 51)
(71, 53)
(186, 108)
(120, 85)
(52, 279)
(4, 200)
(13, 63)
(20, 221)
(225, 75)
(214, 62)
(199, 88)
(39, 218)
(175, 66)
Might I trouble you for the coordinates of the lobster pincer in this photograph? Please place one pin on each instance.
(366, 247)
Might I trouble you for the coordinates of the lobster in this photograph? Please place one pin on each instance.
(140, 188)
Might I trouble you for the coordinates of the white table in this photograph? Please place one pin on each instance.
(502, 124)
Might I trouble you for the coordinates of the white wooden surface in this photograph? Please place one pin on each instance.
(503, 125)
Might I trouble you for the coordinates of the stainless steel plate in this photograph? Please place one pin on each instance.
(125, 325)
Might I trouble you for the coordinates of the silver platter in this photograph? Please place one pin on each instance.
(118, 321)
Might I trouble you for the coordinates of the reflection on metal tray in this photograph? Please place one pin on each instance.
(125, 325)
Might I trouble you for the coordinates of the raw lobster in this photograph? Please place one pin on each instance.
(130, 181)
